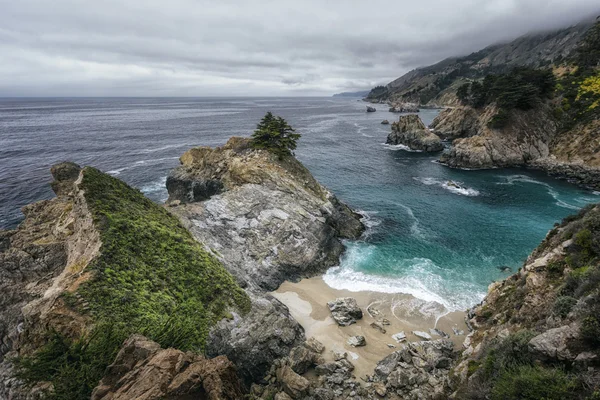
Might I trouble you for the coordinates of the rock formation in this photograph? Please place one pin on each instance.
(345, 311)
(410, 131)
(371, 109)
(454, 123)
(143, 370)
(266, 219)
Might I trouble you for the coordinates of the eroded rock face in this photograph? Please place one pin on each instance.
(143, 370)
(525, 138)
(266, 219)
(268, 332)
(45, 256)
(345, 311)
(453, 123)
(410, 131)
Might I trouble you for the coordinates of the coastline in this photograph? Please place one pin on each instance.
(307, 302)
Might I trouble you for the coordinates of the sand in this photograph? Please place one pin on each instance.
(307, 301)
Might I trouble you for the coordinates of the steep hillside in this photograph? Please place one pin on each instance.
(438, 83)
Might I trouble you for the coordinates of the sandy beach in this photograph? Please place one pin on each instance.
(307, 301)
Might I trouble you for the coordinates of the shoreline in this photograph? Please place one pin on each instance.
(307, 302)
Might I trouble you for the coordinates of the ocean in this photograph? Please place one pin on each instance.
(425, 237)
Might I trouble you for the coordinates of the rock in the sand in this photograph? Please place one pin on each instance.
(378, 326)
(422, 335)
(345, 311)
(339, 355)
(385, 321)
(293, 384)
(314, 345)
(438, 332)
(357, 341)
(399, 337)
(385, 122)
(457, 332)
(371, 109)
(391, 346)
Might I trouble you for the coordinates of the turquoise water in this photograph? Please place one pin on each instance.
(424, 238)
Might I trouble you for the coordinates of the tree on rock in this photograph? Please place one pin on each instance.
(275, 135)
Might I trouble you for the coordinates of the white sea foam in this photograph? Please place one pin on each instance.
(396, 147)
(157, 187)
(511, 179)
(422, 280)
(115, 172)
(361, 130)
(369, 221)
(464, 191)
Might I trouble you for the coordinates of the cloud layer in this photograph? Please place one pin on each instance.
(248, 47)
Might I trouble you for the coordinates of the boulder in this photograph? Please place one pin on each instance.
(345, 311)
(399, 337)
(378, 326)
(385, 122)
(371, 109)
(422, 335)
(143, 370)
(554, 343)
(357, 341)
(411, 132)
(293, 384)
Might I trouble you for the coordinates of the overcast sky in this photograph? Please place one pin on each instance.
(248, 48)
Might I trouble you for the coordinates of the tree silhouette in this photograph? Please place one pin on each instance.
(275, 135)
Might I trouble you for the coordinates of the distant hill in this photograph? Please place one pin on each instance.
(362, 93)
(437, 84)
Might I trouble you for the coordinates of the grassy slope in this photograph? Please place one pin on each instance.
(151, 277)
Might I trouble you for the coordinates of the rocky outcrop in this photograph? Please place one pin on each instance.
(371, 109)
(345, 311)
(410, 131)
(142, 370)
(404, 108)
(39, 261)
(385, 122)
(543, 319)
(525, 138)
(418, 370)
(266, 219)
(453, 123)
(253, 341)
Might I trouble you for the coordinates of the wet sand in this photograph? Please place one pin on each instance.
(307, 301)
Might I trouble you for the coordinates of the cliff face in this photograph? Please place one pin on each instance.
(526, 137)
(267, 219)
(437, 84)
(87, 269)
(536, 333)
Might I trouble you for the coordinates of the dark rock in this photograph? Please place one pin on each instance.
(371, 109)
(254, 341)
(385, 122)
(345, 311)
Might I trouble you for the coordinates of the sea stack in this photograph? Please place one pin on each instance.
(410, 131)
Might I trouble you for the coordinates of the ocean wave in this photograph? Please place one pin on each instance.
(156, 189)
(115, 172)
(512, 179)
(369, 221)
(396, 147)
(361, 129)
(464, 191)
(422, 279)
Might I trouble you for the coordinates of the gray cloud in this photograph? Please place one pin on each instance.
(207, 48)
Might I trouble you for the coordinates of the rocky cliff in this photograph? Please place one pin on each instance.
(89, 268)
(437, 84)
(536, 333)
(267, 219)
(410, 131)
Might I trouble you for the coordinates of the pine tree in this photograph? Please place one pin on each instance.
(275, 135)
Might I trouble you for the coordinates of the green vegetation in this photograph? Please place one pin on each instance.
(377, 91)
(73, 366)
(563, 305)
(581, 86)
(533, 383)
(151, 277)
(275, 135)
(522, 88)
